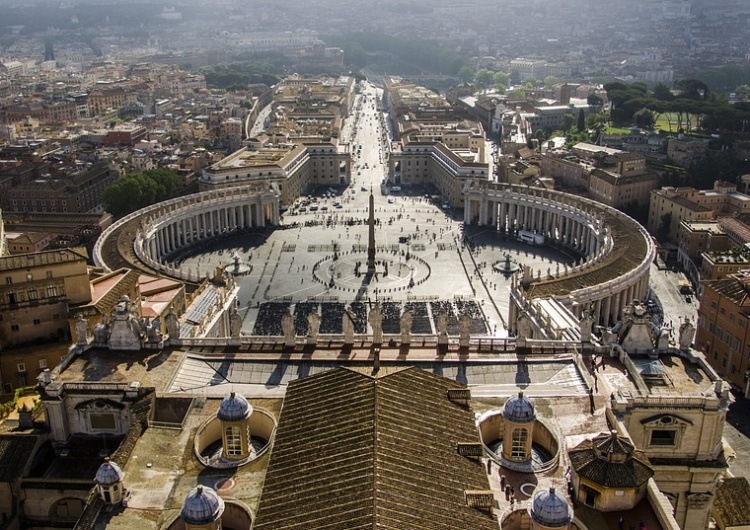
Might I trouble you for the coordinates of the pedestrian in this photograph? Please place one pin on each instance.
(512, 491)
(502, 479)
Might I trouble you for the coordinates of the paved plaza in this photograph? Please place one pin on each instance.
(319, 252)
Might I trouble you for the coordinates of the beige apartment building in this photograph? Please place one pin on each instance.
(719, 264)
(36, 292)
(723, 333)
(292, 169)
(618, 190)
(691, 204)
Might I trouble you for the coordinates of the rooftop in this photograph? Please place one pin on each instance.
(348, 444)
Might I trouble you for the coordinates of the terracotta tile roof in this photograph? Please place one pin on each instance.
(47, 257)
(15, 452)
(732, 501)
(356, 451)
(633, 471)
(730, 288)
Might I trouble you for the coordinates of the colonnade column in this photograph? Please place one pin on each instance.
(607, 310)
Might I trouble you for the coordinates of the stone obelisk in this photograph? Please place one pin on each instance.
(371, 237)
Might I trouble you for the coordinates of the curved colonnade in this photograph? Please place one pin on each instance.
(176, 224)
(617, 251)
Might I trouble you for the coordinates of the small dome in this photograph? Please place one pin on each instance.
(108, 473)
(234, 408)
(519, 410)
(202, 506)
(549, 508)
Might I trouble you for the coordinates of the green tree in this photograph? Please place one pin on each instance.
(501, 78)
(662, 92)
(567, 122)
(595, 101)
(581, 124)
(550, 81)
(644, 118)
(665, 222)
(484, 78)
(466, 73)
(134, 191)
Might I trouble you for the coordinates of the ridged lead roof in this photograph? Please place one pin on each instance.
(108, 473)
(234, 408)
(551, 509)
(519, 409)
(202, 506)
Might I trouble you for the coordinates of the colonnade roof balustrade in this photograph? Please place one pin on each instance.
(115, 247)
(631, 249)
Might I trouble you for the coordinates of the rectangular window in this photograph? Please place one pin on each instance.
(663, 437)
(7, 388)
(37, 321)
(102, 422)
(42, 363)
(21, 367)
(234, 440)
(8, 280)
(51, 291)
(32, 294)
(14, 327)
(49, 275)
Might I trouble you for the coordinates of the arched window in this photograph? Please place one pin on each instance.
(519, 438)
(233, 441)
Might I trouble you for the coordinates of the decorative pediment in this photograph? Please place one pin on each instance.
(666, 421)
(100, 405)
(697, 501)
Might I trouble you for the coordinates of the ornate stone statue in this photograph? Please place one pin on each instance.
(376, 323)
(464, 330)
(523, 327)
(586, 322)
(687, 332)
(406, 321)
(235, 323)
(101, 332)
(313, 326)
(82, 331)
(442, 328)
(287, 327)
(173, 325)
(153, 333)
(347, 325)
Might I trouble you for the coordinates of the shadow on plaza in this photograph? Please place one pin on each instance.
(738, 413)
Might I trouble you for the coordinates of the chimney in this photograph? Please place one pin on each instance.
(480, 499)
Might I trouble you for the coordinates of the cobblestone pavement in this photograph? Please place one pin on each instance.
(411, 221)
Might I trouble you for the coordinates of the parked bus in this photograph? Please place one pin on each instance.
(529, 237)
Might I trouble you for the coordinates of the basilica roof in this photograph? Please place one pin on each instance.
(355, 451)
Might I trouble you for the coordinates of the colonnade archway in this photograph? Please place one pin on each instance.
(169, 226)
(616, 250)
